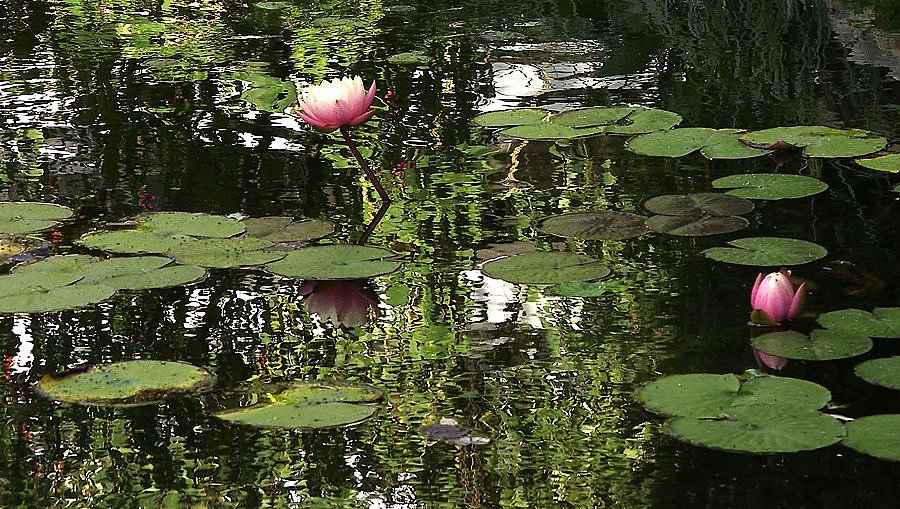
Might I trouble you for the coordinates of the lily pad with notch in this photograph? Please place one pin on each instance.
(712, 144)
(884, 372)
(509, 118)
(595, 225)
(336, 262)
(875, 435)
(880, 323)
(131, 241)
(767, 252)
(131, 273)
(318, 404)
(770, 186)
(889, 163)
(287, 229)
(714, 204)
(817, 141)
(27, 217)
(546, 268)
(193, 224)
(129, 383)
(618, 120)
(820, 345)
(225, 253)
(696, 226)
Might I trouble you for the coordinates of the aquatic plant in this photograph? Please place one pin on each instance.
(774, 298)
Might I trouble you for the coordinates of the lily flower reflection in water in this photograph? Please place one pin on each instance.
(347, 302)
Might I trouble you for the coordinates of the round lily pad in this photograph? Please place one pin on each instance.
(714, 204)
(336, 262)
(126, 383)
(818, 141)
(131, 241)
(592, 117)
(595, 225)
(225, 253)
(25, 217)
(509, 118)
(287, 229)
(770, 186)
(546, 268)
(39, 292)
(409, 58)
(884, 372)
(705, 395)
(712, 144)
(761, 429)
(644, 120)
(696, 226)
(72, 265)
(875, 435)
(548, 131)
(820, 345)
(881, 323)
(141, 273)
(311, 405)
(889, 163)
(191, 224)
(767, 251)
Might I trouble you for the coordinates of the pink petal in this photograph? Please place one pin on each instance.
(362, 118)
(797, 302)
(755, 290)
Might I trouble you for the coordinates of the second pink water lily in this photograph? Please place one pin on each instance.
(338, 103)
(775, 300)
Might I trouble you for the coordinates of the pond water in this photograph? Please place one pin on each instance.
(117, 107)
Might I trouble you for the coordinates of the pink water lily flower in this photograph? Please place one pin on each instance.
(774, 299)
(334, 104)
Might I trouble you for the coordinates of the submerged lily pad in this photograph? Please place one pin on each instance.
(509, 118)
(818, 141)
(287, 229)
(714, 204)
(770, 186)
(311, 405)
(546, 268)
(336, 262)
(881, 323)
(706, 395)
(761, 429)
(225, 253)
(767, 251)
(131, 241)
(889, 163)
(875, 435)
(820, 345)
(415, 58)
(26, 217)
(125, 383)
(587, 288)
(884, 372)
(548, 131)
(696, 226)
(712, 144)
(595, 225)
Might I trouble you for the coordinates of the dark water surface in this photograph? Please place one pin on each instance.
(113, 107)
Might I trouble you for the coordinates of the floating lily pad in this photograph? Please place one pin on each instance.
(287, 229)
(705, 395)
(875, 435)
(414, 58)
(336, 262)
(820, 345)
(191, 224)
(587, 288)
(225, 253)
(818, 141)
(714, 204)
(125, 383)
(548, 131)
(881, 323)
(696, 226)
(884, 372)
(131, 241)
(506, 249)
(39, 292)
(267, 93)
(595, 225)
(25, 217)
(770, 186)
(889, 163)
(761, 429)
(767, 251)
(509, 118)
(546, 268)
(311, 405)
(644, 120)
(141, 273)
(592, 117)
(449, 430)
(71, 265)
(712, 144)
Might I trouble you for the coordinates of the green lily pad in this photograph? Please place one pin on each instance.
(875, 435)
(712, 144)
(818, 141)
(706, 395)
(696, 226)
(761, 429)
(336, 262)
(587, 288)
(546, 268)
(287, 229)
(133, 273)
(645, 120)
(770, 186)
(593, 117)
(889, 163)
(191, 224)
(767, 252)
(131, 241)
(548, 131)
(71, 265)
(126, 383)
(267, 93)
(820, 345)
(39, 292)
(714, 204)
(884, 372)
(881, 323)
(311, 405)
(225, 253)
(26, 217)
(415, 58)
(595, 225)
(509, 118)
